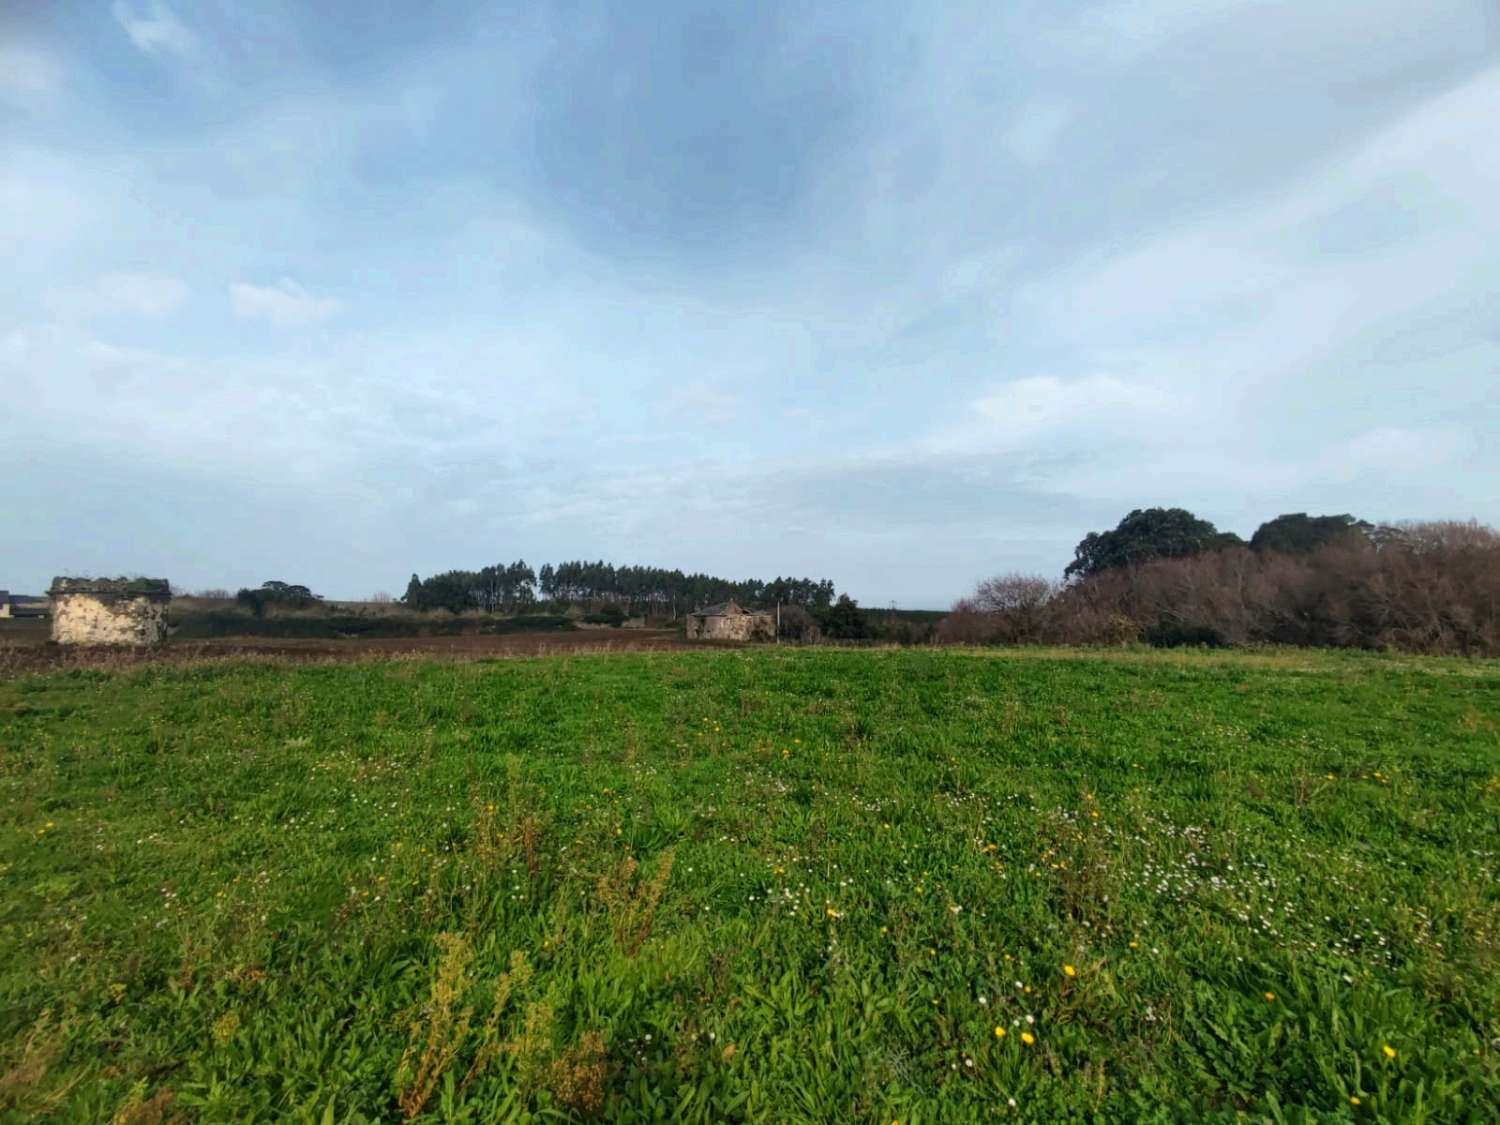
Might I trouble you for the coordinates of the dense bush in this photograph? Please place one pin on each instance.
(611, 615)
(231, 623)
(279, 595)
(1420, 587)
(845, 621)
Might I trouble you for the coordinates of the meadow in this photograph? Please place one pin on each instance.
(768, 885)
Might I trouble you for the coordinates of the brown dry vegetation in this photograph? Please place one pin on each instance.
(1431, 588)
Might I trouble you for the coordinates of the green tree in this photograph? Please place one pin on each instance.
(845, 621)
(1146, 534)
(1298, 533)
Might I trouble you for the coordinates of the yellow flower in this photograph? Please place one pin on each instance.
(999, 1032)
(1069, 971)
(1028, 1038)
(1390, 1052)
(1270, 997)
(1353, 1099)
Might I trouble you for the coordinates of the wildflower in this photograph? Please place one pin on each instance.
(1028, 1038)
(999, 1032)
(1353, 1099)
(1390, 1052)
(1069, 971)
(1270, 997)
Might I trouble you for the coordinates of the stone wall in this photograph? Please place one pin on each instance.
(731, 627)
(109, 612)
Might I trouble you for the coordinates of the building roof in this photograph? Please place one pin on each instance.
(129, 587)
(731, 608)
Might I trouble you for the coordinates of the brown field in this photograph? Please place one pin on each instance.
(26, 649)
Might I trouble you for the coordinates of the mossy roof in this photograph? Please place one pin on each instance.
(149, 587)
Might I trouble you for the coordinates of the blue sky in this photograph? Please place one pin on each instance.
(900, 295)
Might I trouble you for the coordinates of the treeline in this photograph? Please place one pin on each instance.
(649, 590)
(1165, 577)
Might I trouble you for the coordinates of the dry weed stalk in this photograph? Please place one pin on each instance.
(632, 905)
(447, 1027)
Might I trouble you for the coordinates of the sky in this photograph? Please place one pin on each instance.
(901, 295)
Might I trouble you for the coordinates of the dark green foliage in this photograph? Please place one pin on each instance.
(1297, 533)
(1176, 634)
(159, 587)
(528, 623)
(281, 595)
(647, 590)
(1146, 534)
(845, 621)
(658, 591)
(612, 615)
(188, 625)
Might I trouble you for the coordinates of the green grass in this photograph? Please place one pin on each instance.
(769, 885)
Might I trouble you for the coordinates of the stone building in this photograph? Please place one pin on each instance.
(109, 611)
(727, 621)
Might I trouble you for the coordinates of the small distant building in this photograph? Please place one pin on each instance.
(728, 621)
(109, 611)
(19, 605)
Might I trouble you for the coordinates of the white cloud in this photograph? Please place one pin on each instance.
(27, 74)
(154, 28)
(144, 293)
(286, 303)
(1045, 413)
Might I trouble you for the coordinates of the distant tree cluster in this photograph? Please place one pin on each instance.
(502, 588)
(1146, 534)
(1165, 577)
(281, 595)
(632, 589)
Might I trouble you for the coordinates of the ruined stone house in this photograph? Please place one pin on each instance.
(728, 621)
(109, 611)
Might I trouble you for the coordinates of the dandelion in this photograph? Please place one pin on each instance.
(1028, 1038)
(1069, 971)
(1353, 1099)
(999, 1032)
(1390, 1052)
(1270, 997)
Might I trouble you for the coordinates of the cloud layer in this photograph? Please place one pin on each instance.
(900, 297)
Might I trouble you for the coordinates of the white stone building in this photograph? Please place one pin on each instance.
(109, 611)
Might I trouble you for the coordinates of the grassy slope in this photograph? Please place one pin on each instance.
(222, 888)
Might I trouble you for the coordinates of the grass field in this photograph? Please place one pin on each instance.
(773, 885)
